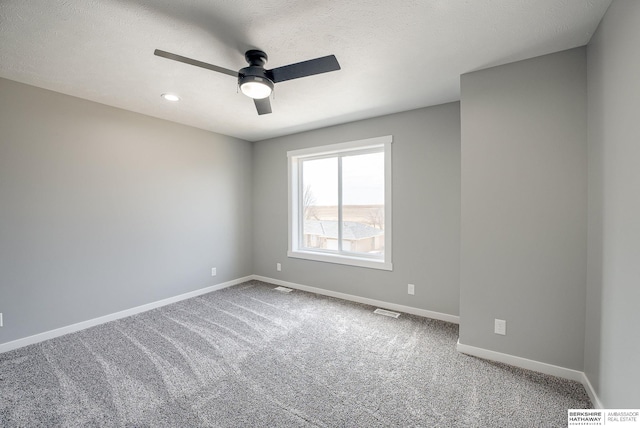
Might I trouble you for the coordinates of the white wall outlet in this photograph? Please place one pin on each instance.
(278, 267)
(214, 272)
(1, 321)
(411, 289)
(500, 327)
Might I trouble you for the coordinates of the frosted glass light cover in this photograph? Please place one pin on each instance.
(256, 90)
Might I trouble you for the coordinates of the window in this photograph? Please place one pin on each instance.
(340, 203)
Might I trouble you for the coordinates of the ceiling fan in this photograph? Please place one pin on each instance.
(255, 81)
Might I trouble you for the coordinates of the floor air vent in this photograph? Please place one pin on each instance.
(386, 313)
(283, 289)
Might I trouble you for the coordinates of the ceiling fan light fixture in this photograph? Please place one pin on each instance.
(256, 87)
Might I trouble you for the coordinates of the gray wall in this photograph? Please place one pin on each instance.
(612, 350)
(102, 210)
(426, 210)
(524, 199)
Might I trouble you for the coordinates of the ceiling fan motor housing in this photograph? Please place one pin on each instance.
(255, 72)
(247, 75)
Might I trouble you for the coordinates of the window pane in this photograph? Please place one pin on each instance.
(340, 203)
(320, 204)
(363, 204)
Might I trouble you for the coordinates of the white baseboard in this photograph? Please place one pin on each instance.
(41, 337)
(537, 366)
(524, 363)
(378, 303)
(597, 404)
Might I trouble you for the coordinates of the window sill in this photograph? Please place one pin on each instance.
(341, 260)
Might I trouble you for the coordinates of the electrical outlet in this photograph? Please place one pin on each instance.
(500, 327)
(213, 272)
(411, 289)
(278, 267)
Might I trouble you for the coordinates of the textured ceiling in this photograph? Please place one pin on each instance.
(395, 55)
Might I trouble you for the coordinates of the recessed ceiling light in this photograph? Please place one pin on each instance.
(170, 97)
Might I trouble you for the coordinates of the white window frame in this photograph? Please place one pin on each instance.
(295, 227)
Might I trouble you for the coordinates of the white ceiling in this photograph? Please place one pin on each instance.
(395, 55)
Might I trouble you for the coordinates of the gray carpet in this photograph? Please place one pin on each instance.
(251, 356)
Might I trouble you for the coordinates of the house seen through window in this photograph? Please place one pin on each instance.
(340, 203)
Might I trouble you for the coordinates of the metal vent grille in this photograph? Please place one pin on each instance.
(386, 313)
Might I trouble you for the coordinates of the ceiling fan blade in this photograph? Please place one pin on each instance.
(263, 106)
(195, 62)
(305, 68)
